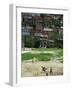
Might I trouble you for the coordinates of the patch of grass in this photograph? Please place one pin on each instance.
(39, 57)
(43, 56)
(59, 53)
(26, 56)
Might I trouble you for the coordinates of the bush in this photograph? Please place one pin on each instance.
(30, 41)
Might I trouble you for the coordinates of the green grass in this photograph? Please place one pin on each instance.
(40, 56)
(59, 53)
(43, 56)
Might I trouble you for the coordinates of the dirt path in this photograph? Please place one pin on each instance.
(34, 68)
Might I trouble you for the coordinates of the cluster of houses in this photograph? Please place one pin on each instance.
(42, 27)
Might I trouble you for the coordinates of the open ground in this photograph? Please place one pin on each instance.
(34, 59)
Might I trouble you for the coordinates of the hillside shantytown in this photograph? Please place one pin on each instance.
(43, 30)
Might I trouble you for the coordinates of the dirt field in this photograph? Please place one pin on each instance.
(29, 68)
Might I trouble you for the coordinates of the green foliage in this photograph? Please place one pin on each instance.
(28, 40)
(36, 42)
